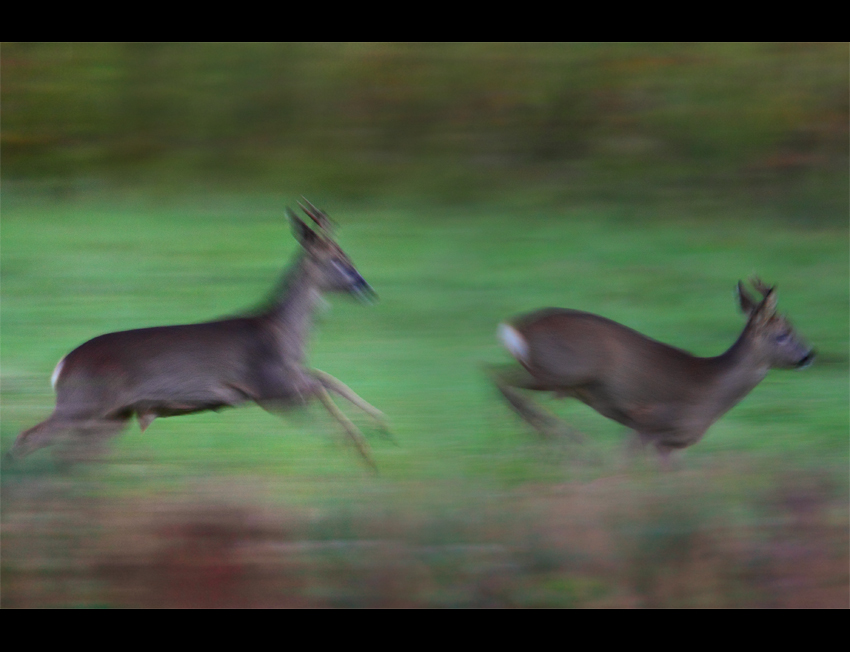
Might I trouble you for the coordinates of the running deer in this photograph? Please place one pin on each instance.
(173, 370)
(667, 396)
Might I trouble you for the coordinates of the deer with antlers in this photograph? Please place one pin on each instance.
(172, 370)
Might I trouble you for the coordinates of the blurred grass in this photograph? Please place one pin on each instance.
(444, 282)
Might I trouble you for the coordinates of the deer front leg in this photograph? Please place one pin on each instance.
(638, 443)
(340, 388)
(283, 389)
(349, 427)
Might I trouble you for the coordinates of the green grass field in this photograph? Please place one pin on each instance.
(466, 470)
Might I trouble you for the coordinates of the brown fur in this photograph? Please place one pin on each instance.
(173, 370)
(666, 395)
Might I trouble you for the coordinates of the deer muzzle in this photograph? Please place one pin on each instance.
(806, 360)
(364, 292)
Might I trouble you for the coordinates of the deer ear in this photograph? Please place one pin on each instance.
(325, 223)
(747, 303)
(769, 303)
(760, 285)
(303, 233)
(767, 308)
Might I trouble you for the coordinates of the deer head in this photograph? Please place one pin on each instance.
(772, 334)
(332, 269)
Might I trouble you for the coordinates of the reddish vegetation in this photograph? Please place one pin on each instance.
(614, 542)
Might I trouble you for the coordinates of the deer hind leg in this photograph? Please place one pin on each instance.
(46, 433)
(73, 434)
(340, 388)
(350, 428)
(89, 439)
(509, 381)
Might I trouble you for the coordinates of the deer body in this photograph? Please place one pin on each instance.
(666, 395)
(173, 370)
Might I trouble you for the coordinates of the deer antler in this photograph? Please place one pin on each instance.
(317, 215)
(759, 285)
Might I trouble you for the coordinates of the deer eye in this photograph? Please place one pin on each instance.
(782, 338)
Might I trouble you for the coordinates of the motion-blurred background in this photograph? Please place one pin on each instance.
(144, 184)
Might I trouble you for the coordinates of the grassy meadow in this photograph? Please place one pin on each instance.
(470, 508)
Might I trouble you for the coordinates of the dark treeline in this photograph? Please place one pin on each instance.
(759, 120)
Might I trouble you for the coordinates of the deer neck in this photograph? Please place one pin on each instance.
(737, 372)
(290, 315)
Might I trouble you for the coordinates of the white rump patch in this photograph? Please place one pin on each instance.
(513, 341)
(56, 373)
